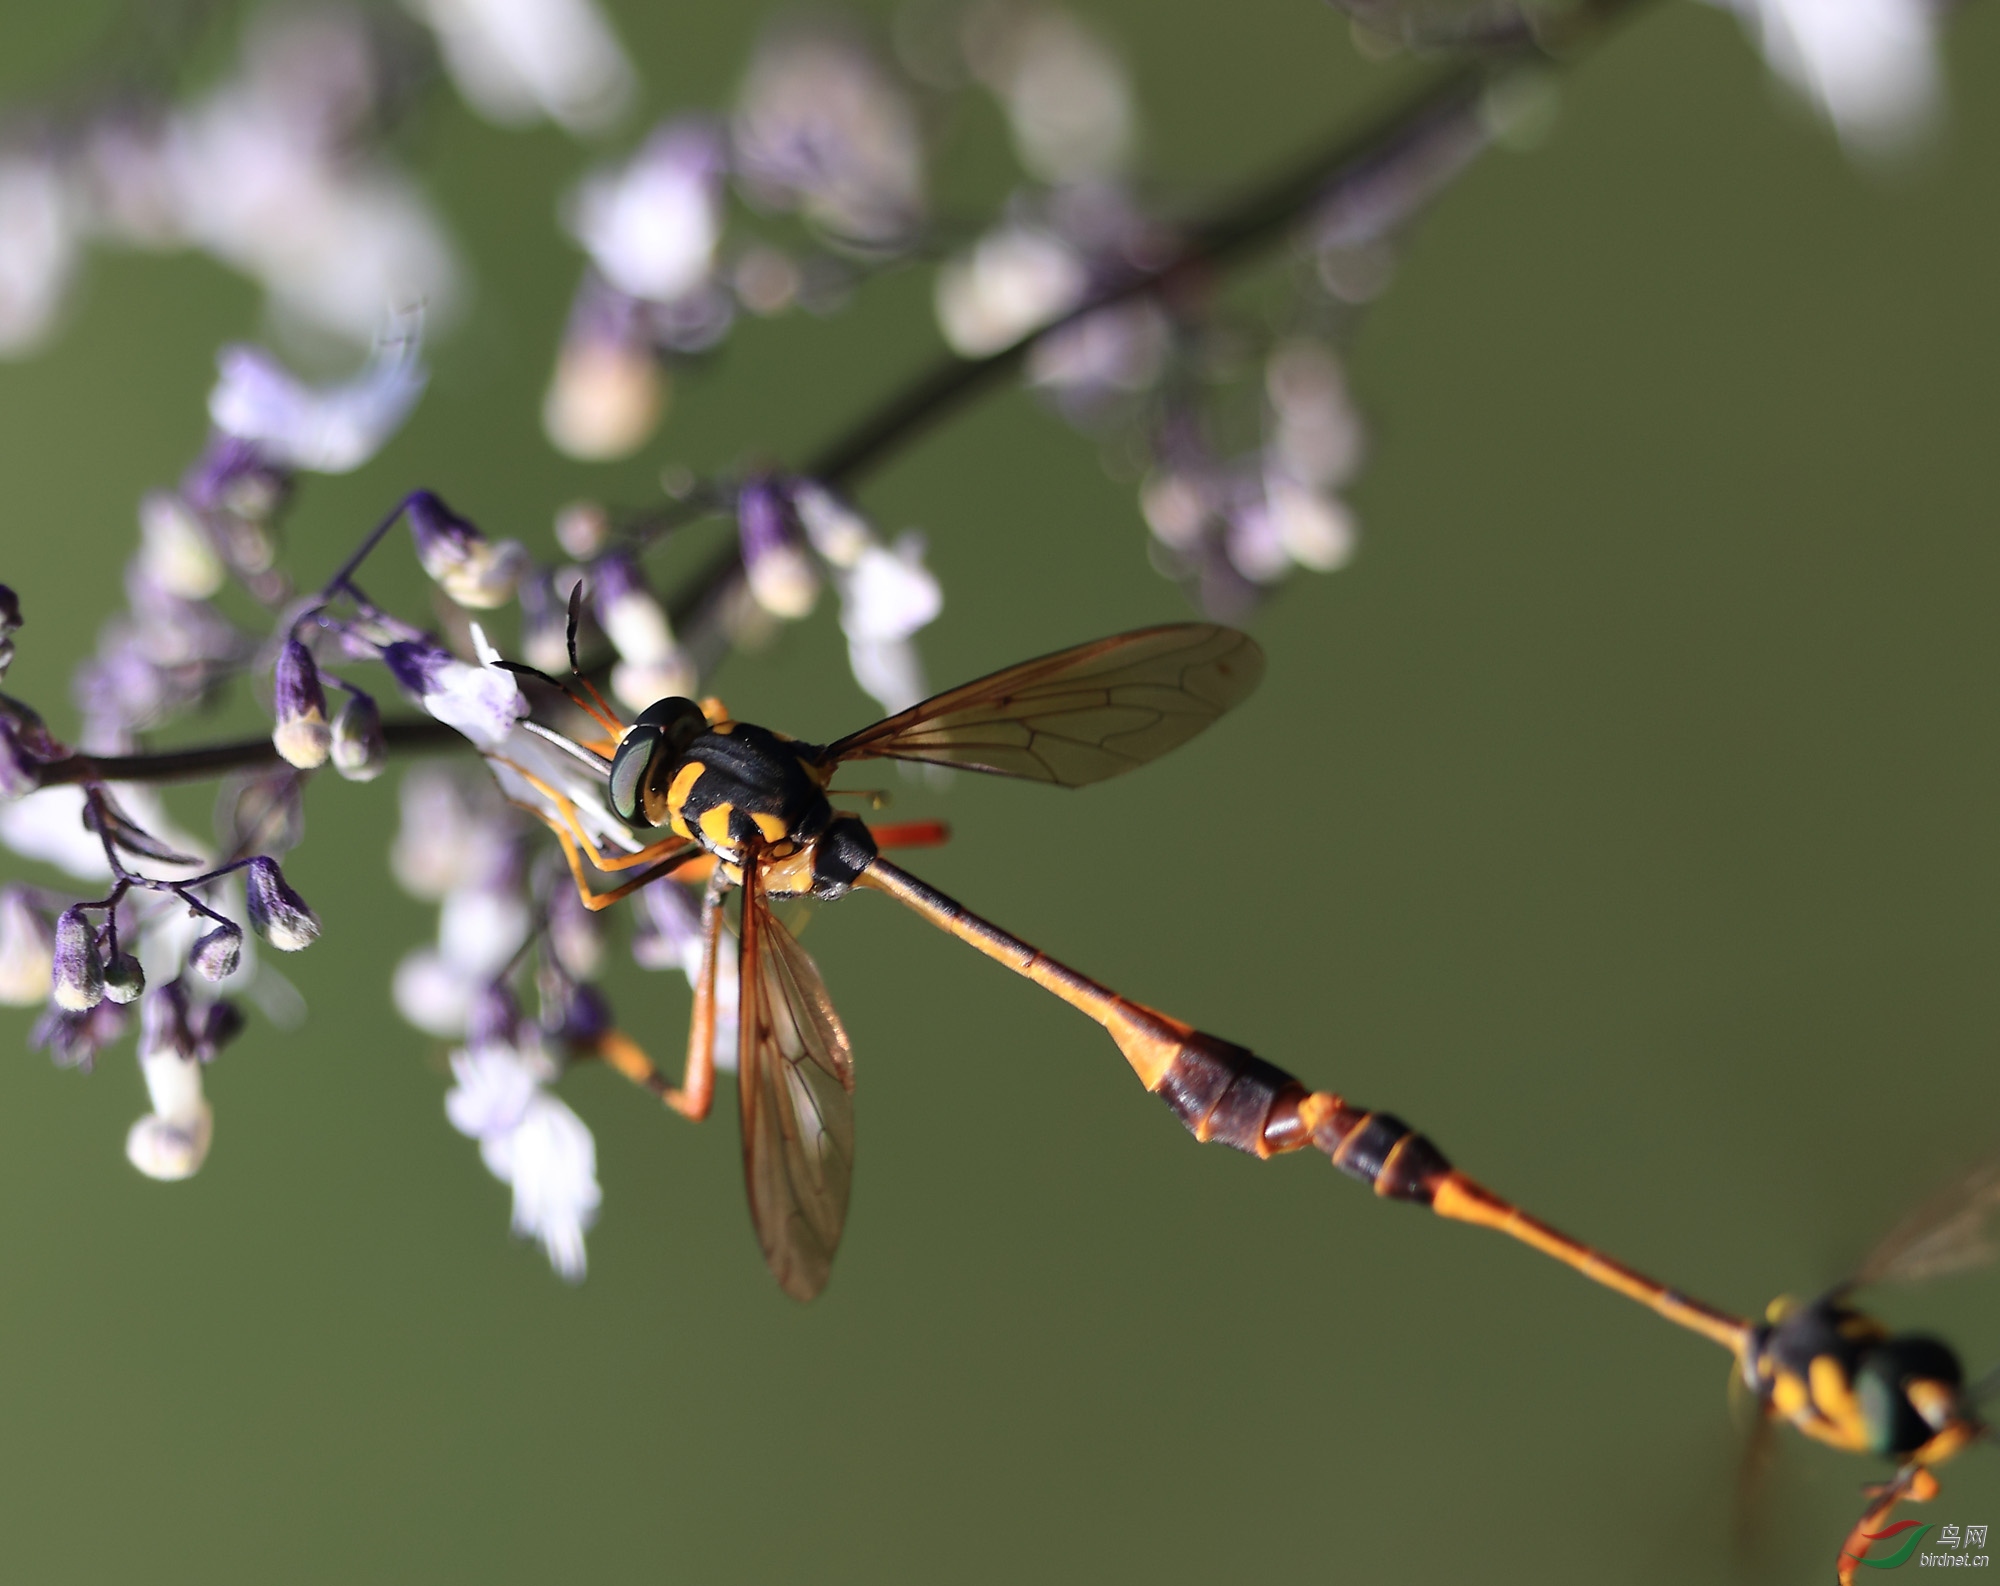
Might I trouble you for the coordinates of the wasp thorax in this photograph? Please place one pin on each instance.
(647, 756)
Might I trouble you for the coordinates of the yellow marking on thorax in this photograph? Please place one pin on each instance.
(677, 796)
(1933, 1400)
(1833, 1396)
(715, 824)
(772, 827)
(715, 712)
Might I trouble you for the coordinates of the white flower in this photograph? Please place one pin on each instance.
(38, 250)
(884, 599)
(327, 429)
(48, 825)
(172, 1140)
(482, 701)
(264, 176)
(530, 1140)
(1068, 104)
(889, 594)
(516, 61)
(651, 228)
(1870, 66)
(822, 127)
(1014, 281)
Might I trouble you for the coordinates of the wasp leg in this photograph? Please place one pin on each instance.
(1223, 1092)
(1912, 1484)
(676, 855)
(573, 824)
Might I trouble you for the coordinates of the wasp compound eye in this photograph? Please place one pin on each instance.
(651, 747)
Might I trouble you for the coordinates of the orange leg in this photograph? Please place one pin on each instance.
(1222, 1092)
(572, 823)
(1912, 1484)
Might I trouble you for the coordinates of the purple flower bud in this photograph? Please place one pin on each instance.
(360, 752)
(10, 620)
(651, 664)
(216, 955)
(75, 1039)
(165, 1023)
(471, 569)
(572, 1011)
(781, 575)
(214, 1027)
(124, 980)
(25, 747)
(494, 1018)
(78, 979)
(302, 735)
(278, 914)
(174, 1023)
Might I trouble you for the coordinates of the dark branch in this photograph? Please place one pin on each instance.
(217, 759)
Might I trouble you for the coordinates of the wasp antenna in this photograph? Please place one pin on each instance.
(575, 616)
(598, 712)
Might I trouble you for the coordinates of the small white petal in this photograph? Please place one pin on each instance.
(493, 1090)
(480, 930)
(170, 1151)
(432, 993)
(327, 429)
(516, 61)
(889, 595)
(1015, 280)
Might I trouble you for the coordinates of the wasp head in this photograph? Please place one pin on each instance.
(649, 755)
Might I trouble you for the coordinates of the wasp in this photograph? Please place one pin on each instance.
(752, 809)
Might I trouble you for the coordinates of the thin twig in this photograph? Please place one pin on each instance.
(416, 735)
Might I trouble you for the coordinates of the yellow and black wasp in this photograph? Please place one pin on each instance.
(1844, 1379)
(752, 807)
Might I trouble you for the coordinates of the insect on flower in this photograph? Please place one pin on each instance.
(751, 807)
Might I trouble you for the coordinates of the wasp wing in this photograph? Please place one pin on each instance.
(1077, 716)
(1953, 1231)
(794, 1085)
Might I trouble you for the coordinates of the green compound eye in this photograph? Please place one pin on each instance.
(652, 745)
(634, 758)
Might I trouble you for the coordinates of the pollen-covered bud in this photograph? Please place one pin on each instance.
(651, 665)
(776, 565)
(606, 397)
(471, 569)
(77, 980)
(360, 752)
(277, 913)
(10, 622)
(216, 955)
(27, 950)
(302, 735)
(175, 549)
(124, 980)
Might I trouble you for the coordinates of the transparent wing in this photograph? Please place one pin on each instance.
(1952, 1232)
(794, 1084)
(1080, 715)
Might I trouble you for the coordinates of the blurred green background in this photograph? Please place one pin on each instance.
(1624, 817)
